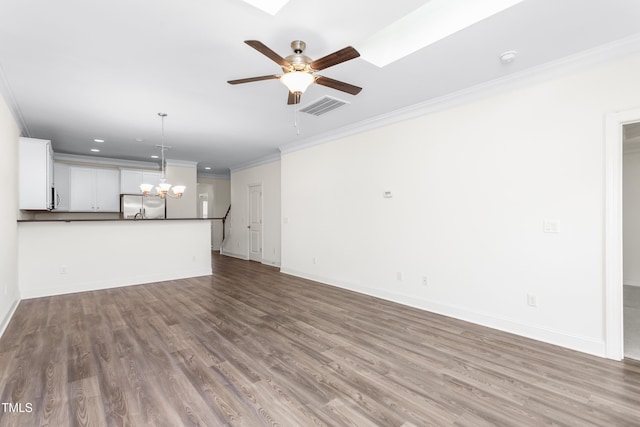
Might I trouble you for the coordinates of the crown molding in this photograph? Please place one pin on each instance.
(258, 162)
(107, 161)
(570, 64)
(182, 163)
(218, 176)
(104, 161)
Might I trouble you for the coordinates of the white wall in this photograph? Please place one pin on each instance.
(182, 173)
(9, 294)
(237, 242)
(59, 257)
(471, 188)
(631, 218)
(218, 194)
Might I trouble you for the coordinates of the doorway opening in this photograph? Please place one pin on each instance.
(614, 230)
(631, 239)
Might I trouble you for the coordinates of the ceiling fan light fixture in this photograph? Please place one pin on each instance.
(298, 69)
(297, 81)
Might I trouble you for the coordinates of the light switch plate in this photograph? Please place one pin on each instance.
(551, 226)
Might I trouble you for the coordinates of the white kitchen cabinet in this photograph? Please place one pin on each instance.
(61, 186)
(82, 189)
(94, 190)
(130, 180)
(35, 165)
(107, 194)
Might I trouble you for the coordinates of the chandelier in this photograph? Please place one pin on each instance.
(164, 187)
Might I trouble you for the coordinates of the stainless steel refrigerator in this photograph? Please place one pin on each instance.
(139, 207)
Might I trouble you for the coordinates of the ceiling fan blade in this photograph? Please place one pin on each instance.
(294, 98)
(263, 49)
(337, 84)
(253, 79)
(335, 58)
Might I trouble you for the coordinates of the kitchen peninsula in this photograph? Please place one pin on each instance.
(66, 256)
(71, 233)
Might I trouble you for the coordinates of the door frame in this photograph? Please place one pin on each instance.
(255, 184)
(613, 232)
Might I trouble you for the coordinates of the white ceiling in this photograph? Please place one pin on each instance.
(75, 70)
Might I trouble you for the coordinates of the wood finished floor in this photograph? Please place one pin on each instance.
(249, 346)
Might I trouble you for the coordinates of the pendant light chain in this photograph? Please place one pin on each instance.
(163, 165)
(163, 187)
(295, 119)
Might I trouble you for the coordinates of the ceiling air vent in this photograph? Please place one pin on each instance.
(323, 105)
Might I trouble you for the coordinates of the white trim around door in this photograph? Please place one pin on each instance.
(613, 277)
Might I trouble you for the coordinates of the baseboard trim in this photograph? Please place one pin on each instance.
(264, 261)
(271, 262)
(559, 338)
(112, 283)
(7, 318)
(234, 255)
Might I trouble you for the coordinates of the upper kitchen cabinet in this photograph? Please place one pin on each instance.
(61, 185)
(94, 190)
(35, 174)
(131, 179)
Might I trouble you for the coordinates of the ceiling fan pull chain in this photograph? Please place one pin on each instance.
(295, 119)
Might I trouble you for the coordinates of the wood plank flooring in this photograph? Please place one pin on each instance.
(249, 346)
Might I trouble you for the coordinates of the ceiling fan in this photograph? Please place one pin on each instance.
(298, 69)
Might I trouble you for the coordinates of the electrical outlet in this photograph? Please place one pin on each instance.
(314, 260)
(63, 269)
(532, 301)
(424, 281)
(399, 275)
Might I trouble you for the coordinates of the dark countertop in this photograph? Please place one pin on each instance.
(117, 219)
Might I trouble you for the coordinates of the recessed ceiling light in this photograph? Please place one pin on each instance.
(426, 25)
(95, 150)
(270, 6)
(139, 139)
(208, 168)
(98, 140)
(154, 157)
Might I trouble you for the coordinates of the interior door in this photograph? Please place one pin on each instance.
(255, 223)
